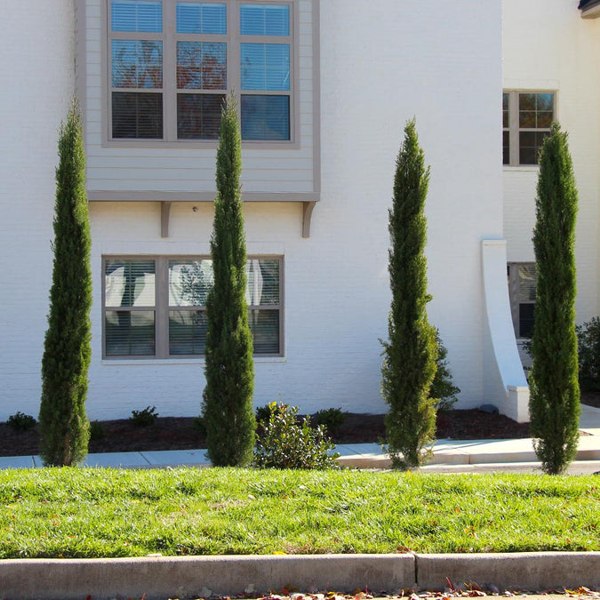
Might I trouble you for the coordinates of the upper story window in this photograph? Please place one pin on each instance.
(526, 121)
(173, 62)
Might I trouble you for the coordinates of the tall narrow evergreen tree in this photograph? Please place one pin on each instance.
(227, 407)
(555, 403)
(63, 422)
(410, 353)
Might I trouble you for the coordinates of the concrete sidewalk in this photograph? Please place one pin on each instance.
(450, 456)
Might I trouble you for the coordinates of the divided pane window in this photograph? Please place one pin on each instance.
(136, 53)
(265, 71)
(201, 68)
(526, 119)
(157, 307)
(522, 291)
(214, 48)
(129, 307)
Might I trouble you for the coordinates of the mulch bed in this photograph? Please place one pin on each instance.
(180, 433)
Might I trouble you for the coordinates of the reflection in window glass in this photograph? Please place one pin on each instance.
(137, 64)
(189, 282)
(202, 65)
(129, 283)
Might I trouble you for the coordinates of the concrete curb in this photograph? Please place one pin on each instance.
(534, 571)
(181, 577)
(202, 576)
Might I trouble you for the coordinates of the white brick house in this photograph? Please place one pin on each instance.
(325, 88)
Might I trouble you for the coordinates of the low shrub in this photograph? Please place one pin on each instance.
(145, 417)
(443, 389)
(330, 418)
(96, 431)
(284, 443)
(588, 342)
(199, 425)
(21, 422)
(262, 415)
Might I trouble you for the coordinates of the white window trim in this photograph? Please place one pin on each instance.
(514, 129)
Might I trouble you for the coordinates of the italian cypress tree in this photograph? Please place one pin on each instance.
(227, 407)
(410, 353)
(64, 425)
(554, 402)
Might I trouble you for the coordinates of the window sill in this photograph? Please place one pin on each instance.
(129, 143)
(142, 362)
(525, 168)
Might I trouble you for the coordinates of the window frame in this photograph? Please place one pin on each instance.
(514, 128)
(170, 92)
(161, 306)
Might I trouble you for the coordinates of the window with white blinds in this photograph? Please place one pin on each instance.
(156, 307)
(172, 63)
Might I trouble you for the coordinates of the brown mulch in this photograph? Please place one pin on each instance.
(591, 398)
(180, 433)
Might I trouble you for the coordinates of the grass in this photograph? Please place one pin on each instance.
(103, 512)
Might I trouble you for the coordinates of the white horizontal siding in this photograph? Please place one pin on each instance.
(127, 166)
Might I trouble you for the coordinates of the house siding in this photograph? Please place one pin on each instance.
(563, 56)
(37, 71)
(336, 287)
(172, 167)
(380, 64)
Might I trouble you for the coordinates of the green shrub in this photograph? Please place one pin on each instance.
(588, 341)
(144, 417)
(262, 414)
(199, 425)
(286, 444)
(330, 418)
(443, 389)
(96, 431)
(21, 422)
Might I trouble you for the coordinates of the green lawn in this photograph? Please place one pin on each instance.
(102, 512)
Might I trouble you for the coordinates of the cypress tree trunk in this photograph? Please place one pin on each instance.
(554, 402)
(227, 407)
(410, 353)
(64, 425)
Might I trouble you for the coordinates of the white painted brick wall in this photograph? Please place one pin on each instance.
(36, 68)
(414, 62)
(548, 46)
(382, 63)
